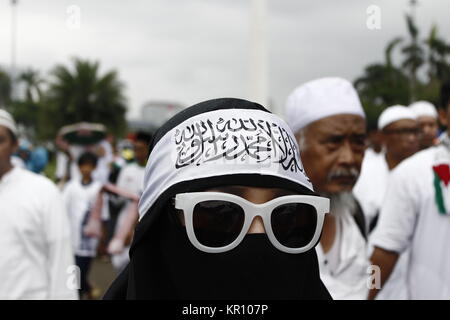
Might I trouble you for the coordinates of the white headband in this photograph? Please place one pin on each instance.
(7, 121)
(424, 109)
(395, 113)
(218, 143)
(319, 99)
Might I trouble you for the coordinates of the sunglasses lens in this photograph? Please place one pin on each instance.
(217, 223)
(294, 224)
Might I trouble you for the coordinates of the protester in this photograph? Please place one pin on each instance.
(414, 217)
(400, 139)
(218, 165)
(34, 229)
(428, 121)
(374, 139)
(131, 179)
(329, 123)
(79, 197)
(68, 154)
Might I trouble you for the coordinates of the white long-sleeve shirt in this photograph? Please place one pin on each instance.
(370, 190)
(410, 219)
(344, 269)
(36, 255)
(79, 200)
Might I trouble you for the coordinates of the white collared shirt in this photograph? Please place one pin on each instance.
(370, 190)
(410, 219)
(35, 239)
(79, 200)
(346, 279)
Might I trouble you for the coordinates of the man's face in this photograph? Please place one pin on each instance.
(428, 129)
(7, 147)
(140, 151)
(86, 169)
(333, 152)
(401, 138)
(444, 117)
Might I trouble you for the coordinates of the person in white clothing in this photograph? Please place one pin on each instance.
(131, 179)
(400, 136)
(400, 139)
(416, 216)
(79, 197)
(37, 260)
(428, 121)
(327, 117)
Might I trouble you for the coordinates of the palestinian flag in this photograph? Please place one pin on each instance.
(441, 181)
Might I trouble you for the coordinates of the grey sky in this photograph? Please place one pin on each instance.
(192, 50)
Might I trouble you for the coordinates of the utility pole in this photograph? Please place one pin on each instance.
(13, 47)
(258, 55)
(413, 82)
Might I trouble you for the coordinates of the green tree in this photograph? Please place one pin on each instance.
(26, 110)
(82, 94)
(5, 89)
(382, 85)
(438, 51)
(33, 81)
(414, 56)
(385, 84)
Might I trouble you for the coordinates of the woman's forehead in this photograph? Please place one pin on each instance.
(245, 190)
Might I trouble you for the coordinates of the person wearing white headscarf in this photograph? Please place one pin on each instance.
(415, 218)
(36, 260)
(428, 121)
(399, 130)
(329, 123)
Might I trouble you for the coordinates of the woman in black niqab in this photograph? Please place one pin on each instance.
(163, 262)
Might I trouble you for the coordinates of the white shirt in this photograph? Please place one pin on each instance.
(371, 186)
(370, 190)
(131, 178)
(62, 161)
(18, 162)
(410, 220)
(348, 278)
(35, 239)
(79, 200)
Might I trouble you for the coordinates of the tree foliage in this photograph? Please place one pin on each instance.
(74, 93)
(384, 84)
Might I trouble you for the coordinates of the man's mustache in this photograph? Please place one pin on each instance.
(343, 173)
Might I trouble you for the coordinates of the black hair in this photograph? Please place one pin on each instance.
(144, 137)
(445, 94)
(88, 157)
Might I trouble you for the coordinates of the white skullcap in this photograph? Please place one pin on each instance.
(395, 113)
(424, 109)
(6, 120)
(319, 99)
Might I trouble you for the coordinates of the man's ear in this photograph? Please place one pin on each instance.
(442, 116)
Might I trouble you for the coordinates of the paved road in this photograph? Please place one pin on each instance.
(102, 275)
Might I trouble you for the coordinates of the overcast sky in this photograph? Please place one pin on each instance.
(192, 50)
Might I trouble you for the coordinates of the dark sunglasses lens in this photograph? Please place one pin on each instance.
(217, 223)
(294, 224)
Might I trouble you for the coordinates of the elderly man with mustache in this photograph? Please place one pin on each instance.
(327, 117)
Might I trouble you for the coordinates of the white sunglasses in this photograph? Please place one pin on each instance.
(217, 222)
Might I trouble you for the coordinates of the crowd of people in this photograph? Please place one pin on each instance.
(229, 201)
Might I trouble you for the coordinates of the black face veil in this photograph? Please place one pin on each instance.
(216, 143)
